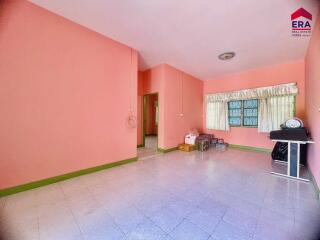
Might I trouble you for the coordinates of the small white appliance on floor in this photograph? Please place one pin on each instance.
(191, 137)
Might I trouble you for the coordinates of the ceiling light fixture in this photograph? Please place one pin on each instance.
(226, 55)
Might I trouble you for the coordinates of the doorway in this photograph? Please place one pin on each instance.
(150, 124)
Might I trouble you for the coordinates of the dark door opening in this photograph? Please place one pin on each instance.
(150, 125)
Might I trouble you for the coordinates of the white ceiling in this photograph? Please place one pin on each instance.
(190, 34)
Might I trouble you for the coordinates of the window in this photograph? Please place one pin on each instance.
(243, 113)
(235, 109)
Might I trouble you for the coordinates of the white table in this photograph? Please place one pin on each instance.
(293, 165)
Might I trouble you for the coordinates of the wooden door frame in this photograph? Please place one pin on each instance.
(144, 118)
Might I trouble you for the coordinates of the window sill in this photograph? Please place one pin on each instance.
(243, 126)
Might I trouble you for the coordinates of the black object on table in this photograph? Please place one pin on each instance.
(280, 152)
(291, 147)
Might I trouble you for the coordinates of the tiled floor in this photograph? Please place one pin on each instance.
(176, 196)
(150, 149)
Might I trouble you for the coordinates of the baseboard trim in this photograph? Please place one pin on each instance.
(140, 146)
(249, 148)
(315, 185)
(47, 181)
(162, 150)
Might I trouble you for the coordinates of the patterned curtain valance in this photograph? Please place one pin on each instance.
(288, 89)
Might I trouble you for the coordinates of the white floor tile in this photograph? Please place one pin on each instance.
(283, 222)
(58, 226)
(204, 220)
(188, 230)
(16, 230)
(267, 231)
(166, 219)
(49, 194)
(230, 195)
(146, 231)
(226, 231)
(128, 219)
(241, 220)
(73, 187)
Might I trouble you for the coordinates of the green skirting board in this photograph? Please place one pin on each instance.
(248, 148)
(47, 181)
(167, 150)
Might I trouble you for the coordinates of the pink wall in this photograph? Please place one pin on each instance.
(262, 77)
(151, 127)
(65, 93)
(179, 93)
(140, 108)
(313, 99)
(183, 94)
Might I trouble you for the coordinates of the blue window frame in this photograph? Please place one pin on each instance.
(243, 113)
(235, 109)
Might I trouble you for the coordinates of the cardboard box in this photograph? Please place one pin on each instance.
(186, 147)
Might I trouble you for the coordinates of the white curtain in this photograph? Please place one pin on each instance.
(263, 116)
(255, 93)
(276, 104)
(217, 116)
(273, 111)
